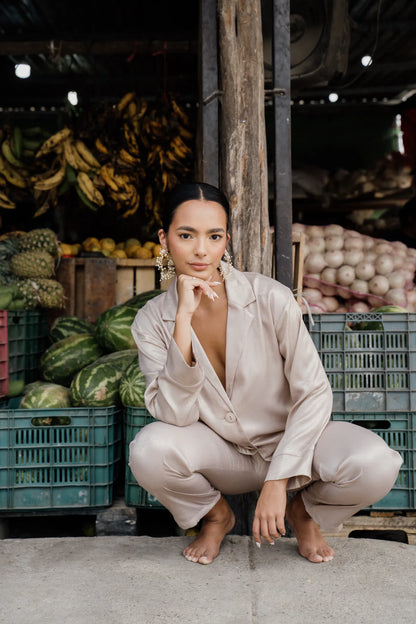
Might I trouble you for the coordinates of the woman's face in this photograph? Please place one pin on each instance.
(197, 238)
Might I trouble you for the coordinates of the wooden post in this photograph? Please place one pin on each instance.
(243, 136)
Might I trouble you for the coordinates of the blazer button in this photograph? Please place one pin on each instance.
(230, 417)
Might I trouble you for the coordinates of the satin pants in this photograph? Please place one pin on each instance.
(188, 468)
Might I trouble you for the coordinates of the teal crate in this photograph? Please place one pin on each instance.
(368, 369)
(57, 459)
(135, 418)
(27, 341)
(398, 430)
(4, 355)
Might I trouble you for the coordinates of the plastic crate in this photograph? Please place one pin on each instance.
(135, 418)
(27, 341)
(63, 464)
(398, 430)
(372, 370)
(4, 355)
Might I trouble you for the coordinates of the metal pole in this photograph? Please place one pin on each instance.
(209, 93)
(282, 140)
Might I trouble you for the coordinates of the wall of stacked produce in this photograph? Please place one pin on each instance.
(124, 157)
(345, 271)
(90, 364)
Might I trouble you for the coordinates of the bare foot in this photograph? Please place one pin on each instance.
(215, 526)
(311, 544)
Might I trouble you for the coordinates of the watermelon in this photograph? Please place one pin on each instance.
(113, 328)
(139, 300)
(96, 385)
(65, 326)
(132, 386)
(123, 359)
(63, 359)
(46, 395)
(378, 325)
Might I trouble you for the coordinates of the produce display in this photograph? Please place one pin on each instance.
(125, 156)
(86, 363)
(131, 248)
(27, 268)
(345, 271)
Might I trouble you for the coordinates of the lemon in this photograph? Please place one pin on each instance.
(118, 253)
(156, 250)
(76, 248)
(149, 245)
(120, 245)
(88, 242)
(143, 253)
(131, 250)
(66, 250)
(108, 244)
(132, 241)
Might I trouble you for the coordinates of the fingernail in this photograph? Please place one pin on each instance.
(216, 283)
(258, 544)
(271, 543)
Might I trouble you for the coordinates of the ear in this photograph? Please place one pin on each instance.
(163, 239)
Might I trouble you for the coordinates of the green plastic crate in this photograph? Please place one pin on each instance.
(398, 430)
(135, 418)
(27, 341)
(4, 357)
(369, 370)
(68, 463)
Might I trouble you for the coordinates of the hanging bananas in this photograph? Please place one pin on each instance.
(6, 202)
(53, 141)
(89, 189)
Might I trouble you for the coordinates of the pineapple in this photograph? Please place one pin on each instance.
(32, 264)
(50, 293)
(28, 291)
(40, 239)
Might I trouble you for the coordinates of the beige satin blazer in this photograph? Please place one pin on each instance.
(277, 399)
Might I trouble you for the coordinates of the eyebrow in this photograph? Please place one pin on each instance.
(187, 228)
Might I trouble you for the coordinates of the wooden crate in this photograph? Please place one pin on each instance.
(92, 285)
(406, 524)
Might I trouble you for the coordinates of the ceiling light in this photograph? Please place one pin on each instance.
(333, 97)
(366, 60)
(22, 70)
(73, 97)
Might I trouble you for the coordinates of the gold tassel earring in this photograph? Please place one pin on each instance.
(166, 272)
(225, 272)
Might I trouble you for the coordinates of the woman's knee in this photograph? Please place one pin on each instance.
(148, 450)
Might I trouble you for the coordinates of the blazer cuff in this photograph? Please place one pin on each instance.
(296, 468)
(179, 371)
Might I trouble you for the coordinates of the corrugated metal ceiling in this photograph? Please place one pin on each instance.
(102, 49)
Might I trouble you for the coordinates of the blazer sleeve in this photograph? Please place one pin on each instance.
(172, 386)
(311, 399)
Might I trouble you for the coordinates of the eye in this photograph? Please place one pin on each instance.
(216, 237)
(184, 235)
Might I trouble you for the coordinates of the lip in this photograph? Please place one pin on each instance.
(198, 267)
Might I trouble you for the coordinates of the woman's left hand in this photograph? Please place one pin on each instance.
(269, 516)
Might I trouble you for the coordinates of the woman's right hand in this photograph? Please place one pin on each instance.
(190, 291)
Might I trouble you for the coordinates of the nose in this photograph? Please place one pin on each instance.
(200, 247)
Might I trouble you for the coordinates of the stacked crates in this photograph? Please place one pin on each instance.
(370, 361)
(4, 355)
(27, 340)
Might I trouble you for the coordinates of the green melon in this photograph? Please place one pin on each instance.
(139, 300)
(96, 385)
(123, 359)
(65, 326)
(132, 386)
(113, 328)
(46, 396)
(63, 359)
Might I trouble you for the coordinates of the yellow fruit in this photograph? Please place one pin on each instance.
(66, 250)
(91, 240)
(156, 250)
(108, 244)
(120, 245)
(131, 250)
(76, 248)
(118, 253)
(143, 253)
(106, 252)
(149, 245)
(94, 247)
(132, 241)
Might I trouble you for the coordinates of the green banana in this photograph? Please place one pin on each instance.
(7, 152)
(71, 174)
(85, 199)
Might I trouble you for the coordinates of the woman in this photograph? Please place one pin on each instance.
(241, 399)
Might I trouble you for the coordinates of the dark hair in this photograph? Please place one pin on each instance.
(188, 191)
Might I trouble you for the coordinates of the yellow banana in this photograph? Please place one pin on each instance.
(142, 108)
(89, 189)
(53, 181)
(131, 140)
(127, 157)
(86, 154)
(107, 174)
(73, 157)
(131, 109)
(53, 141)
(5, 202)
(7, 152)
(125, 101)
(179, 112)
(11, 175)
(186, 134)
(133, 207)
(101, 147)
